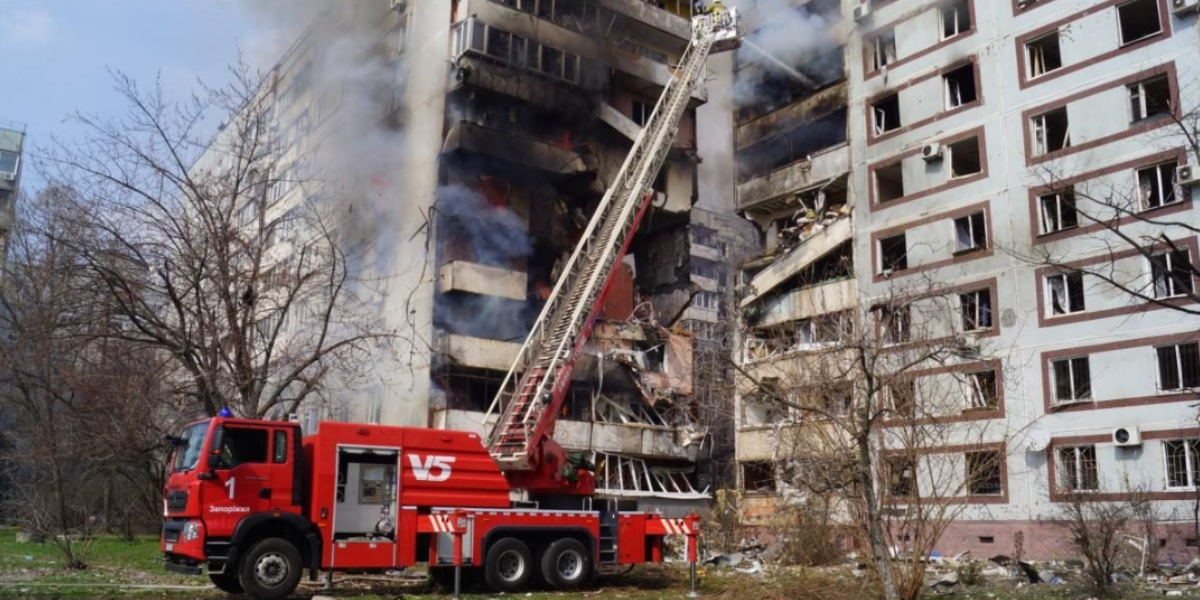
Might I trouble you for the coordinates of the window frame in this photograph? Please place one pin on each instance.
(879, 55)
(1138, 99)
(1168, 167)
(1067, 278)
(877, 113)
(1076, 397)
(971, 473)
(978, 299)
(16, 162)
(976, 233)
(1032, 45)
(1177, 359)
(947, 86)
(1078, 464)
(979, 398)
(950, 160)
(1168, 275)
(883, 261)
(1190, 448)
(963, 6)
(1065, 197)
(1121, 26)
(1040, 130)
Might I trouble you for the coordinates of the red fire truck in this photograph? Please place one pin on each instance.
(256, 502)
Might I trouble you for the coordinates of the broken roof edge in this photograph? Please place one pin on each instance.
(815, 247)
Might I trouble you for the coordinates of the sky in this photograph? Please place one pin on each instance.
(57, 54)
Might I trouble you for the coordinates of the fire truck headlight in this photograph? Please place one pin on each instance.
(191, 531)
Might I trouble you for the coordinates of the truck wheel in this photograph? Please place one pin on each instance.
(509, 566)
(271, 569)
(566, 564)
(226, 582)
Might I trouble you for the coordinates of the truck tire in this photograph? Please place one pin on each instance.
(509, 566)
(566, 564)
(271, 569)
(226, 582)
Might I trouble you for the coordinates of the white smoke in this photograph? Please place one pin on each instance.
(793, 43)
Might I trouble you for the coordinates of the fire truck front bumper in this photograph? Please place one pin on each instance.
(183, 544)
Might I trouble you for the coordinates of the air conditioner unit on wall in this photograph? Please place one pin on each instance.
(932, 151)
(862, 11)
(1187, 174)
(7, 176)
(1127, 436)
(1182, 7)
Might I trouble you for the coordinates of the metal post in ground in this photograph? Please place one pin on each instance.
(458, 557)
(692, 551)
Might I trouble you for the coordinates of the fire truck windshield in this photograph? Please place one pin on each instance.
(191, 446)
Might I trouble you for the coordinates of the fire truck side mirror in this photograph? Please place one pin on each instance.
(218, 442)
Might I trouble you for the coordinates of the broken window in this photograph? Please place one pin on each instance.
(1183, 463)
(1072, 379)
(641, 113)
(887, 114)
(758, 476)
(1150, 98)
(552, 61)
(889, 182)
(1065, 291)
(970, 232)
(1156, 185)
(901, 476)
(1172, 273)
(956, 19)
(837, 399)
(901, 397)
(1058, 211)
(1051, 132)
(984, 391)
(976, 310)
(960, 86)
(896, 323)
(1077, 471)
(1139, 20)
(984, 476)
(965, 158)
(519, 52)
(545, 8)
(893, 253)
(883, 49)
(1043, 55)
(1178, 366)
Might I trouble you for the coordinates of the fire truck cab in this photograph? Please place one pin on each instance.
(256, 503)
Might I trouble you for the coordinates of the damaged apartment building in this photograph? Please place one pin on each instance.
(492, 129)
(955, 139)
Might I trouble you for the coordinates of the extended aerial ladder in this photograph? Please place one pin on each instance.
(531, 395)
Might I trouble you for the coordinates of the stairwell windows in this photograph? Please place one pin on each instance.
(1058, 211)
(1051, 132)
(1065, 293)
(883, 49)
(1043, 55)
(887, 114)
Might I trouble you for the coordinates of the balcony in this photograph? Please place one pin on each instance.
(776, 189)
(469, 137)
(814, 247)
(479, 353)
(471, 278)
(808, 302)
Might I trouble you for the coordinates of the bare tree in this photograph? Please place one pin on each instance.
(1100, 528)
(223, 254)
(878, 414)
(84, 410)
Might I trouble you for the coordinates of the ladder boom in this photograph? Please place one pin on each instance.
(532, 393)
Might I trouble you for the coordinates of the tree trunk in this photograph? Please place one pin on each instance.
(876, 537)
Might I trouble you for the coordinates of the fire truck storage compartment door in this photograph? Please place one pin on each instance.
(365, 507)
